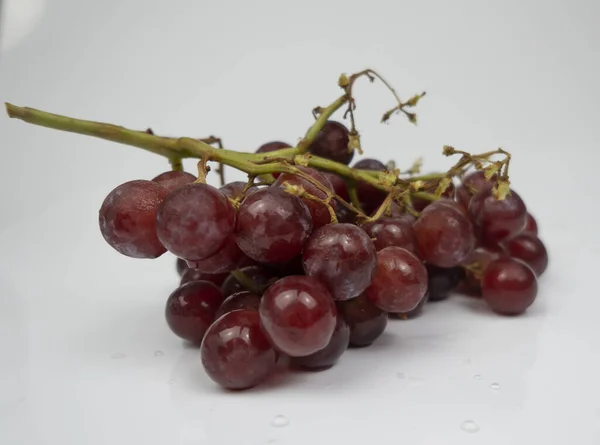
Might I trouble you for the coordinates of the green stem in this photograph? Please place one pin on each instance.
(313, 131)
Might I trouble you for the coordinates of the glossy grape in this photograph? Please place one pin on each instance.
(298, 315)
(172, 180)
(235, 189)
(341, 256)
(386, 232)
(531, 224)
(181, 266)
(445, 236)
(471, 184)
(127, 219)
(366, 321)
(370, 197)
(318, 211)
(497, 219)
(528, 248)
(259, 275)
(400, 280)
(475, 265)
(240, 300)
(332, 143)
(442, 280)
(509, 286)
(339, 185)
(225, 260)
(191, 309)
(196, 275)
(330, 354)
(235, 352)
(272, 225)
(195, 221)
(413, 313)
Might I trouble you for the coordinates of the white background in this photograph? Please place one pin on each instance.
(80, 326)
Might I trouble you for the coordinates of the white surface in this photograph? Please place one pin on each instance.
(80, 326)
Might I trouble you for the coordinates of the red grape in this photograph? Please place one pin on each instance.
(413, 313)
(235, 189)
(419, 204)
(345, 215)
(531, 224)
(191, 309)
(298, 315)
(391, 232)
(366, 321)
(127, 219)
(235, 352)
(272, 146)
(370, 197)
(341, 256)
(272, 225)
(195, 221)
(471, 184)
(259, 275)
(528, 248)
(196, 275)
(497, 219)
(509, 286)
(332, 143)
(445, 235)
(399, 212)
(225, 260)
(400, 280)
(240, 300)
(318, 211)
(339, 185)
(330, 354)
(172, 180)
(182, 266)
(475, 265)
(442, 280)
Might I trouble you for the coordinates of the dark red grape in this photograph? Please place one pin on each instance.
(509, 286)
(191, 309)
(419, 204)
(272, 146)
(366, 321)
(318, 211)
(330, 354)
(399, 212)
(127, 219)
(195, 221)
(413, 313)
(298, 315)
(292, 267)
(225, 260)
(400, 280)
(475, 265)
(531, 224)
(258, 275)
(182, 266)
(471, 184)
(444, 234)
(196, 275)
(370, 197)
(339, 185)
(341, 256)
(240, 300)
(442, 280)
(235, 352)
(386, 232)
(345, 215)
(272, 225)
(172, 180)
(332, 143)
(235, 189)
(528, 248)
(496, 219)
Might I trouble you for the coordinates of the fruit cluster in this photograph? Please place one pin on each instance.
(311, 256)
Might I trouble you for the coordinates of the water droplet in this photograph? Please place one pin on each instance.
(158, 353)
(477, 377)
(400, 375)
(118, 355)
(468, 426)
(495, 386)
(279, 421)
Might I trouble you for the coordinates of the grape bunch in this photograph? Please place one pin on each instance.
(310, 256)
